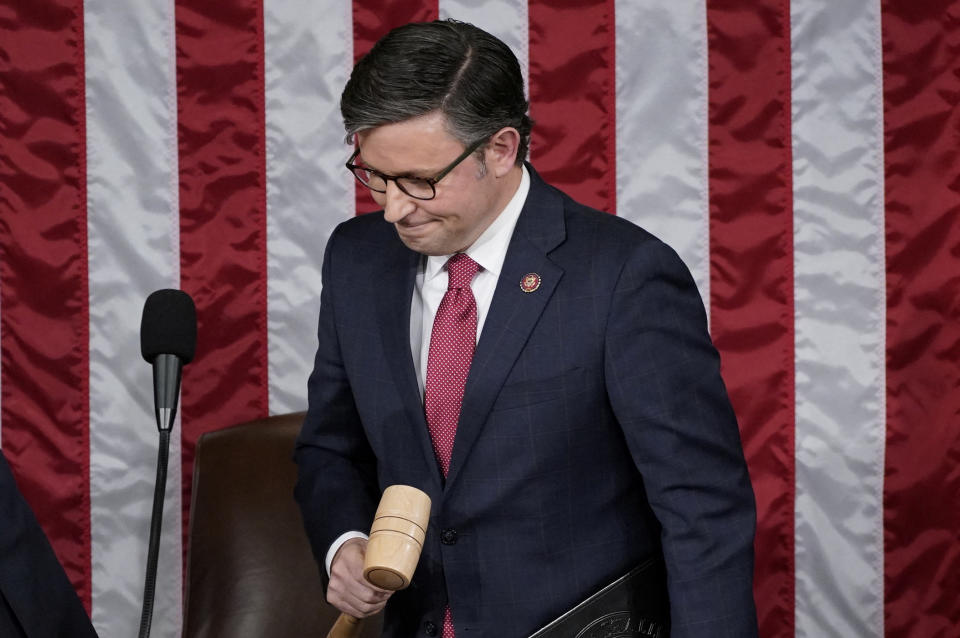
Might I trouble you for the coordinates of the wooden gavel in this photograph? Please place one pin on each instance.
(396, 540)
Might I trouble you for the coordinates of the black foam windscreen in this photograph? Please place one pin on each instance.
(169, 325)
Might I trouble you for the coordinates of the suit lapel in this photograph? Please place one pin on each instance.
(396, 281)
(513, 312)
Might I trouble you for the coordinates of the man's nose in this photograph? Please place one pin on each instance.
(397, 204)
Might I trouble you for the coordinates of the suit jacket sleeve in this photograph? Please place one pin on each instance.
(36, 599)
(336, 484)
(663, 381)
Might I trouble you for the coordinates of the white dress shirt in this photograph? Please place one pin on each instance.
(489, 251)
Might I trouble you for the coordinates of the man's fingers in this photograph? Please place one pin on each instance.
(361, 592)
(366, 604)
(348, 591)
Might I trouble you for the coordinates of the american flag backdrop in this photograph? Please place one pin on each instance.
(803, 156)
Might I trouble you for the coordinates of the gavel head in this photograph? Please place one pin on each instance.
(396, 537)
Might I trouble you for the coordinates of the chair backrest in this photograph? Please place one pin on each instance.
(250, 571)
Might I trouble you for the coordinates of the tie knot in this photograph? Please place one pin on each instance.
(460, 270)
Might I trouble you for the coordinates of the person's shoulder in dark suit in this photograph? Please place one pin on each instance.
(36, 599)
(606, 241)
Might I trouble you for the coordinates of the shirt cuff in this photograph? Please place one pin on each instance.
(335, 545)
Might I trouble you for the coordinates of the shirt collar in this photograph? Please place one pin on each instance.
(490, 249)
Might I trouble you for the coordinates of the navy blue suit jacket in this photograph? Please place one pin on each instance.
(36, 599)
(595, 430)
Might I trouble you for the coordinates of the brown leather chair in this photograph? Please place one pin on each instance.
(250, 572)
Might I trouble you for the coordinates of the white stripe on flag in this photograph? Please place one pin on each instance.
(662, 126)
(133, 226)
(840, 309)
(506, 19)
(308, 56)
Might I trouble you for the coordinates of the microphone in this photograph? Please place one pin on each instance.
(168, 340)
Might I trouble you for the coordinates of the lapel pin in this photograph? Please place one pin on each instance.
(530, 282)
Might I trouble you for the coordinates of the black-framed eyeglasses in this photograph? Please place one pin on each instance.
(416, 187)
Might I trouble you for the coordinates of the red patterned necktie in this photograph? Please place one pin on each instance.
(452, 341)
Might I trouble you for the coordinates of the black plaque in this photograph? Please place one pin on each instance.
(633, 606)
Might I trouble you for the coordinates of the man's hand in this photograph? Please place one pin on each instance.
(348, 591)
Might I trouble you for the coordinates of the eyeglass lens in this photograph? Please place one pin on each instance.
(411, 185)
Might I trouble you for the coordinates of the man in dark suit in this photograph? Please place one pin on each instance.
(36, 599)
(591, 429)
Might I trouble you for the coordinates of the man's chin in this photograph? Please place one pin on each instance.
(423, 244)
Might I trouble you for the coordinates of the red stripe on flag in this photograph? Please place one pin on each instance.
(751, 267)
(573, 98)
(45, 328)
(372, 19)
(221, 131)
(921, 55)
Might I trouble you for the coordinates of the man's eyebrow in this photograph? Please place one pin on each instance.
(418, 174)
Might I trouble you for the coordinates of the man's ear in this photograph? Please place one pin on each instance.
(501, 151)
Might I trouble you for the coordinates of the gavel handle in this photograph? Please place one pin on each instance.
(346, 627)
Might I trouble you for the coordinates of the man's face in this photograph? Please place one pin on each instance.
(468, 198)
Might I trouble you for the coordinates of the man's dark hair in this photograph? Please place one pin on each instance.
(472, 77)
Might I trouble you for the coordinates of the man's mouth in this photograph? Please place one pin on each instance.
(408, 226)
